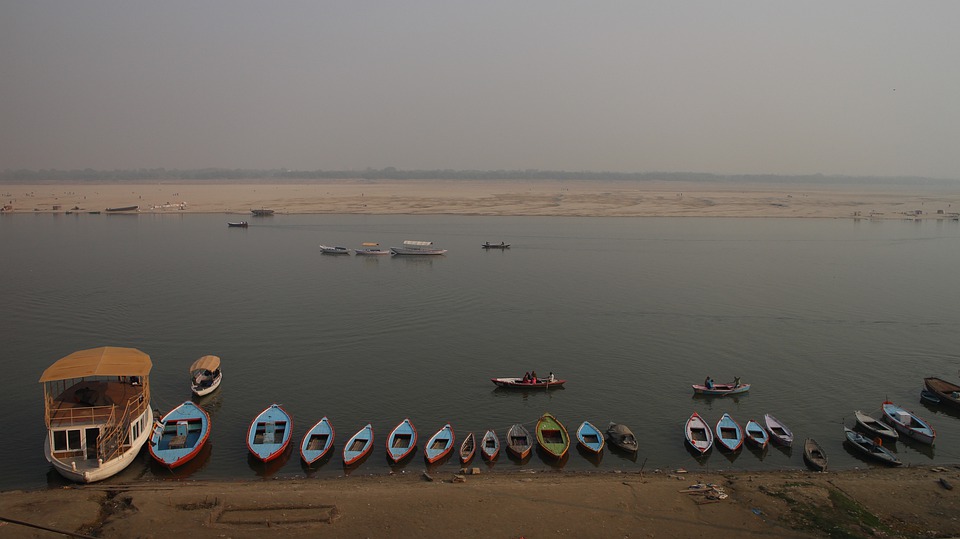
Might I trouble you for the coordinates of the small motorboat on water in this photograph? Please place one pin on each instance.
(238, 224)
(317, 442)
(622, 437)
(180, 435)
(908, 423)
(269, 433)
(814, 456)
(439, 445)
(590, 437)
(402, 441)
(490, 445)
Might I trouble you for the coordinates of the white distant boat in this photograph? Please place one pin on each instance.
(371, 249)
(97, 411)
(412, 247)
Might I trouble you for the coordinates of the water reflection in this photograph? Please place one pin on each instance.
(191, 467)
(268, 470)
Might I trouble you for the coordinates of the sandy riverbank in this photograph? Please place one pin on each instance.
(473, 197)
(909, 502)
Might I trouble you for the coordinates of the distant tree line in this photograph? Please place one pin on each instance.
(391, 173)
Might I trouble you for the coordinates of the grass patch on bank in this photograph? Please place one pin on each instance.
(839, 516)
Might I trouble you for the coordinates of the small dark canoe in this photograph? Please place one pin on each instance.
(622, 437)
(929, 397)
(124, 208)
(868, 448)
(495, 245)
(261, 212)
(240, 224)
(518, 441)
(317, 441)
(814, 456)
(490, 445)
(468, 448)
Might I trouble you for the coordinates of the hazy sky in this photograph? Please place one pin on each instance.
(838, 87)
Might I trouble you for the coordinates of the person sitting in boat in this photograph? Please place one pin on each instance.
(736, 381)
(533, 377)
(526, 377)
(708, 383)
(551, 377)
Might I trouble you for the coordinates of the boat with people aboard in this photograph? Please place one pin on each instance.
(519, 442)
(371, 249)
(529, 381)
(875, 427)
(908, 423)
(500, 245)
(317, 442)
(729, 433)
(590, 437)
(97, 411)
(205, 375)
(402, 441)
(334, 250)
(468, 448)
(755, 434)
(439, 445)
(269, 433)
(779, 432)
(417, 247)
(552, 436)
(813, 455)
(358, 446)
(948, 392)
(622, 437)
(490, 445)
(709, 387)
(871, 448)
(698, 433)
(180, 435)
(237, 224)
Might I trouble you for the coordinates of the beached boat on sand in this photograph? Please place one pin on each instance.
(402, 441)
(698, 433)
(519, 442)
(205, 375)
(468, 448)
(779, 432)
(590, 437)
(269, 433)
(622, 437)
(813, 455)
(414, 247)
(180, 435)
(874, 427)
(97, 411)
(490, 445)
(317, 442)
(440, 444)
(552, 436)
(908, 423)
(358, 446)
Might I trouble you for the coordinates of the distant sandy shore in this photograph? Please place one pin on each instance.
(476, 197)
(909, 502)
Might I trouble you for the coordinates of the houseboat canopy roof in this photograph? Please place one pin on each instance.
(103, 361)
(206, 363)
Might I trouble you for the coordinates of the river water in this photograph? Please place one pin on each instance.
(822, 317)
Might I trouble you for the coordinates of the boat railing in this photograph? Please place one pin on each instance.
(67, 416)
(116, 438)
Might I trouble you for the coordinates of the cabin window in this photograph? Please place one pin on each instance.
(66, 440)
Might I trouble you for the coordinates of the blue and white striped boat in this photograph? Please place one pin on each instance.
(317, 441)
(590, 437)
(908, 423)
(180, 435)
(358, 446)
(402, 441)
(269, 433)
(729, 433)
(439, 444)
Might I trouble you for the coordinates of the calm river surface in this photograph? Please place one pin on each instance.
(823, 317)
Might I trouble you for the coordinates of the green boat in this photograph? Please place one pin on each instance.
(552, 436)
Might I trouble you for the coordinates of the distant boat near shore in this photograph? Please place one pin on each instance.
(414, 247)
(501, 245)
(261, 212)
(124, 208)
(239, 224)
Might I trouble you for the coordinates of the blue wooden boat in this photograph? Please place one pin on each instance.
(779, 432)
(698, 433)
(490, 445)
(317, 442)
(908, 423)
(180, 435)
(269, 433)
(729, 433)
(402, 441)
(590, 437)
(358, 446)
(870, 448)
(439, 444)
(756, 434)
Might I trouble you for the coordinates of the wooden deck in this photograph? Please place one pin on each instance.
(92, 402)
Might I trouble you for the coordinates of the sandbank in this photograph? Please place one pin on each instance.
(908, 502)
(496, 197)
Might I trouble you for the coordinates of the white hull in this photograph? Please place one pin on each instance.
(90, 471)
(403, 251)
(202, 391)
